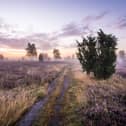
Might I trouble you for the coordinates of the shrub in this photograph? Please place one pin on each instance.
(97, 54)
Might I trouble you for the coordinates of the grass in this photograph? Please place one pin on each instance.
(106, 103)
(100, 102)
(16, 101)
(91, 102)
(73, 99)
(48, 110)
(21, 85)
(70, 107)
(87, 102)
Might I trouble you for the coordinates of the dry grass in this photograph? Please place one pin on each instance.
(13, 74)
(91, 102)
(101, 102)
(72, 100)
(87, 102)
(48, 110)
(21, 84)
(15, 102)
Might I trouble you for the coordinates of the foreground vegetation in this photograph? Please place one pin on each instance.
(89, 102)
(21, 85)
(85, 102)
(16, 101)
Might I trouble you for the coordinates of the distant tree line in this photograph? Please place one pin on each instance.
(31, 51)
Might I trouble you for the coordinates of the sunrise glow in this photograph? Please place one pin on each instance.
(57, 24)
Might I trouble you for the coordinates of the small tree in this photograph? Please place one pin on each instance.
(31, 50)
(41, 57)
(56, 54)
(97, 54)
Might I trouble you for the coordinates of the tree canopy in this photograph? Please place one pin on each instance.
(41, 57)
(56, 54)
(31, 50)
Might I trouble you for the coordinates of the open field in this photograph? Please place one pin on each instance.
(59, 94)
(62, 63)
(21, 85)
(13, 74)
(87, 102)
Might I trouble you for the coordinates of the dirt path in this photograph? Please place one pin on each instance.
(56, 119)
(33, 113)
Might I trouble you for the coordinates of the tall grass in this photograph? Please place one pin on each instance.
(13, 103)
(21, 84)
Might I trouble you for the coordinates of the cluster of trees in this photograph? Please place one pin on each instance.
(97, 54)
(32, 52)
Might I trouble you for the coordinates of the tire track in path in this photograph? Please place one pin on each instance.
(56, 118)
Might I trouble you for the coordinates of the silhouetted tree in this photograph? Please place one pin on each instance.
(97, 54)
(56, 54)
(31, 50)
(41, 57)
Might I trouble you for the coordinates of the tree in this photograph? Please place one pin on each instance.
(87, 53)
(56, 54)
(41, 57)
(97, 54)
(1, 57)
(31, 50)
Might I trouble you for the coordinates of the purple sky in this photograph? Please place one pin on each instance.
(58, 23)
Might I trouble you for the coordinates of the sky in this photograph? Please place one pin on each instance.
(57, 24)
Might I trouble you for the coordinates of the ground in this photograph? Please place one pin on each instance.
(59, 94)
